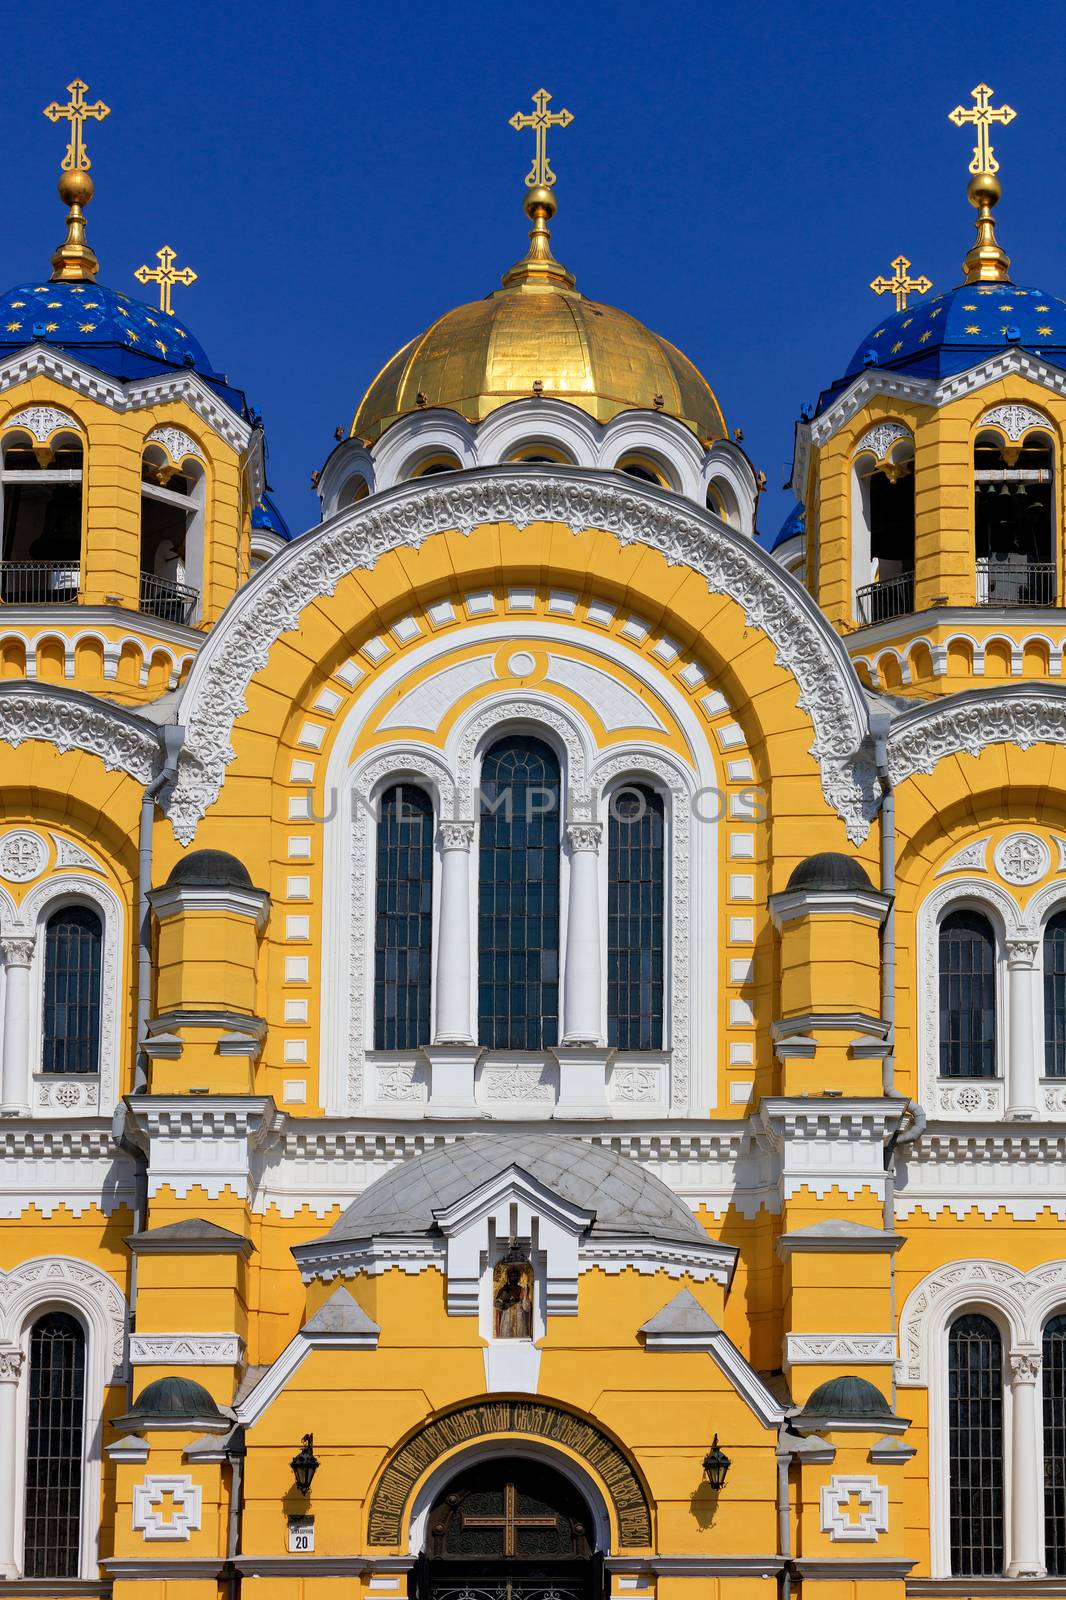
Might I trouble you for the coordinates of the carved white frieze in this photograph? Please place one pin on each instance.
(69, 723)
(177, 444)
(840, 1349)
(166, 1507)
(185, 1349)
(517, 1084)
(854, 1509)
(881, 438)
(1015, 420)
(1022, 858)
(1023, 717)
(42, 421)
(972, 857)
(22, 856)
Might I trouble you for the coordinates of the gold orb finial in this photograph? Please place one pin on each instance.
(986, 261)
(75, 261)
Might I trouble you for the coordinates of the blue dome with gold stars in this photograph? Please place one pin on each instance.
(953, 331)
(107, 330)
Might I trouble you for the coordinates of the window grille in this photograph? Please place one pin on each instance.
(403, 927)
(975, 1465)
(1055, 997)
(54, 1447)
(72, 950)
(635, 919)
(518, 896)
(967, 996)
(1054, 1381)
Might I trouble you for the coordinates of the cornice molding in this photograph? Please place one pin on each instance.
(43, 361)
(357, 538)
(966, 723)
(70, 720)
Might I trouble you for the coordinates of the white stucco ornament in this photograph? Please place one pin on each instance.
(1022, 858)
(854, 1509)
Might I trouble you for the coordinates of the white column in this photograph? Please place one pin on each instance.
(453, 936)
(1022, 1073)
(14, 1080)
(10, 1370)
(1026, 1468)
(582, 1001)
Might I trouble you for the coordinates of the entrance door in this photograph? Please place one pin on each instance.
(510, 1530)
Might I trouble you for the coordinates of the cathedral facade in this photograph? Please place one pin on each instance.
(533, 1014)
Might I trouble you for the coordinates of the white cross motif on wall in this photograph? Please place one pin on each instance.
(871, 1503)
(166, 1507)
(22, 855)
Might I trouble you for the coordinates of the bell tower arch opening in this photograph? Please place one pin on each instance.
(512, 1526)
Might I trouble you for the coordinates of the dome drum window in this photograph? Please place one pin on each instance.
(41, 490)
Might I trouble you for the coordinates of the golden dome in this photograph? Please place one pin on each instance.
(537, 335)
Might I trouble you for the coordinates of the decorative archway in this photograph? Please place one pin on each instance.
(509, 1526)
(527, 1419)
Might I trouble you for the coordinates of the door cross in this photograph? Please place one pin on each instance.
(510, 1522)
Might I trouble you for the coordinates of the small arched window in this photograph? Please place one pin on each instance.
(644, 469)
(967, 996)
(518, 896)
(1055, 996)
(635, 953)
(72, 953)
(1014, 515)
(55, 1425)
(42, 497)
(172, 505)
(1053, 1377)
(403, 922)
(975, 1455)
(432, 465)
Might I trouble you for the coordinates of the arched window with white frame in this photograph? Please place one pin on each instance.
(967, 963)
(975, 1435)
(403, 919)
(518, 895)
(882, 523)
(73, 949)
(55, 1447)
(1053, 1375)
(1054, 952)
(636, 923)
(173, 492)
(41, 471)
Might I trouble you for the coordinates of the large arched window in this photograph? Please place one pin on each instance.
(975, 1457)
(41, 484)
(72, 949)
(403, 923)
(1055, 996)
(1054, 1380)
(635, 956)
(518, 896)
(967, 996)
(54, 1447)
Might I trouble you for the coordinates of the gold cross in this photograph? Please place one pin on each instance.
(166, 275)
(901, 284)
(982, 115)
(75, 112)
(510, 1521)
(540, 174)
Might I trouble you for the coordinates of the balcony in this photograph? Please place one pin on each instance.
(169, 601)
(39, 583)
(880, 602)
(1012, 580)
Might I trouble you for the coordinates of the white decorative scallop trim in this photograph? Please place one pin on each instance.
(42, 421)
(967, 723)
(71, 721)
(312, 567)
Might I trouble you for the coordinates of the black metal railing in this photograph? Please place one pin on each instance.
(893, 597)
(1012, 580)
(169, 601)
(39, 583)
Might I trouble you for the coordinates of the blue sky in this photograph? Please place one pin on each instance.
(339, 175)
